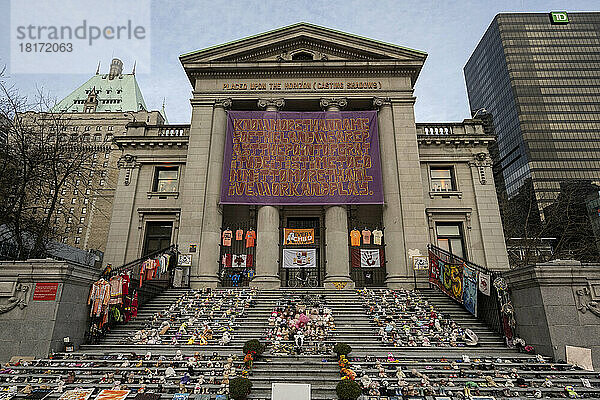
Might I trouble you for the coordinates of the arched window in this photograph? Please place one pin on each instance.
(302, 56)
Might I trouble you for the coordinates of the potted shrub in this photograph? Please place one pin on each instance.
(239, 388)
(254, 345)
(342, 349)
(347, 389)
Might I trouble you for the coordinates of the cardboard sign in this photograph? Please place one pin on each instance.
(298, 236)
(45, 291)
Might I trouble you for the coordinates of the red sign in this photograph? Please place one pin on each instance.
(45, 291)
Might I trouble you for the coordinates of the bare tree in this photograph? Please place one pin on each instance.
(557, 226)
(44, 156)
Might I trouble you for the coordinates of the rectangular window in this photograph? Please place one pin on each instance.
(442, 179)
(157, 236)
(77, 240)
(84, 210)
(450, 238)
(165, 179)
(79, 229)
(74, 200)
(82, 220)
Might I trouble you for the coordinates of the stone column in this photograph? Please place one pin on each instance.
(492, 251)
(393, 234)
(212, 217)
(267, 230)
(336, 227)
(117, 244)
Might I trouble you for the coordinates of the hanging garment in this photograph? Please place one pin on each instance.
(126, 282)
(250, 238)
(116, 290)
(366, 236)
(242, 260)
(99, 297)
(227, 235)
(355, 237)
(377, 236)
(226, 260)
(239, 234)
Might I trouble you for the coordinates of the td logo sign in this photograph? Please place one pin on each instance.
(559, 17)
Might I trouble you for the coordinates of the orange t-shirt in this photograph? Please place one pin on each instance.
(366, 236)
(227, 235)
(250, 237)
(239, 234)
(355, 238)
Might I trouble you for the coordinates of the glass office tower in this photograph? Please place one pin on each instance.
(538, 74)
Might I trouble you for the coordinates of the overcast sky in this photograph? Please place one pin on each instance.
(447, 30)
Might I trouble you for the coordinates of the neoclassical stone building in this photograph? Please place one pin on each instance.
(435, 179)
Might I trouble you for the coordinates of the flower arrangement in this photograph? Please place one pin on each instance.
(342, 349)
(254, 345)
(348, 389)
(239, 388)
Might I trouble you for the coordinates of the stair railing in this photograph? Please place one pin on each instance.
(489, 308)
(150, 288)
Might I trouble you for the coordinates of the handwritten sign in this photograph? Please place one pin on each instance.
(305, 158)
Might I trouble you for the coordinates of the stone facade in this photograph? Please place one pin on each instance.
(556, 305)
(33, 328)
(336, 71)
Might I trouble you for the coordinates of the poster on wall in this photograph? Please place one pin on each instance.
(292, 236)
(299, 258)
(301, 158)
(366, 258)
(470, 289)
(45, 291)
(484, 283)
(370, 258)
(448, 277)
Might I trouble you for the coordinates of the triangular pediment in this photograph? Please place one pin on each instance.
(303, 42)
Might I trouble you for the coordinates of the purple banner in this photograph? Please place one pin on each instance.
(314, 158)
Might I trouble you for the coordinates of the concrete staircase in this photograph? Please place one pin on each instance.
(353, 326)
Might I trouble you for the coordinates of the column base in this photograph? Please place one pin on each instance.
(338, 282)
(203, 282)
(266, 282)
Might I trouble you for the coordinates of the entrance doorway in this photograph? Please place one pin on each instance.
(303, 276)
(158, 236)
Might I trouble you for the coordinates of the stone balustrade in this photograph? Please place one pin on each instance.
(467, 127)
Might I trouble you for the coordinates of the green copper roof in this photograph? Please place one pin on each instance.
(121, 93)
(304, 24)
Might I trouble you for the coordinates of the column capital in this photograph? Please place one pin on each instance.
(271, 103)
(379, 102)
(332, 102)
(223, 103)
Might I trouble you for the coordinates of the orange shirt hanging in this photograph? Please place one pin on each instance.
(355, 238)
(250, 238)
(366, 236)
(239, 234)
(227, 236)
